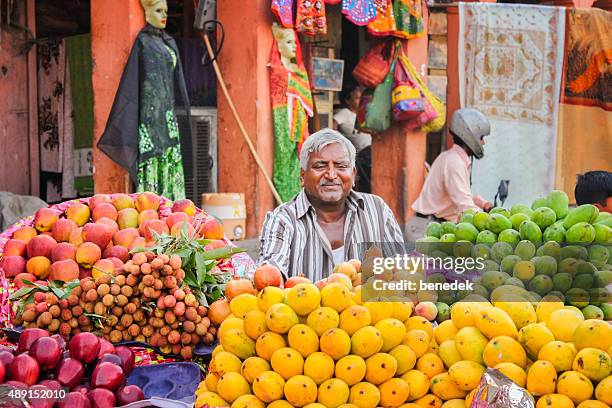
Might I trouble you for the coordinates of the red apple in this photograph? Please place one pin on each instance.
(107, 375)
(40, 402)
(101, 398)
(18, 281)
(51, 384)
(105, 347)
(175, 218)
(63, 251)
(24, 368)
(47, 352)
(99, 234)
(83, 389)
(13, 265)
(185, 205)
(75, 400)
(69, 372)
(291, 282)
(16, 384)
(15, 247)
(84, 347)
(41, 245)
(129, 394)
(28, 337)
(6, 358)
(127, 357)
(62, 228)
(98, 199)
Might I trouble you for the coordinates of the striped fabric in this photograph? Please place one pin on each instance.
(293, 241)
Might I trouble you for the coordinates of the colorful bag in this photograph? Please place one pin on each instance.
(406, 98)
(378, 110)
(434, 117)
(372, 69)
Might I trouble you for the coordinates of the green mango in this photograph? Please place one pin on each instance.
(543, 217)
(545, 265)
(427, 245)
(577, 297)
(603, 234)
(481, 251)
(562, 282)
(493, 279)
(433, 229)
(530, 231)
(552, 248)
(525, 250)
(466, 231)
(603, 215)
(580, 233)
(510, 236)
(467, 218)
(486, 237)
(521, 209)
(507, 264)
(592, 312)
(586, 213)
(603, 278)
(444, 312)
(541, 284)
(517, 219)
(584, 267)
(500, 250)
(555, 233)
(499, 222)
(515, 282)
(584, 281)
(539, 202)
(574, 251)
(500, 210)
(559, 202)
(598, 255)
(568, 265)
(447, 227)
(599, 296)
(481, 221)
(462, 249)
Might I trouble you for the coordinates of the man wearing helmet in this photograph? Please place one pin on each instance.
(446, 193)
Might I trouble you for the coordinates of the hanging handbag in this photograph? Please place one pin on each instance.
(434, 117)
(372, 69)
(406, 98)
(378, 110)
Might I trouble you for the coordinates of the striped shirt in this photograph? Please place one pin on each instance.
(293, 241)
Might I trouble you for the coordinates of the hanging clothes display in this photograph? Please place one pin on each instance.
(510, 67)
(310, 17)
(359, 12)
(78, 51)
(384, 23)
(283, 10)
(291, 105)
(55, 121)
(409, 18)
(142, 133)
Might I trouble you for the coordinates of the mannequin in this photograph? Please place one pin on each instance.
(142, 133)
(291, 106)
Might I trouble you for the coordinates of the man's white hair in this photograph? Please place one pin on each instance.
(322, 138)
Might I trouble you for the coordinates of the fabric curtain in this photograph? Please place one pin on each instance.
(510, 67)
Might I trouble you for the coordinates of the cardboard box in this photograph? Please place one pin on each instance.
(230, 209)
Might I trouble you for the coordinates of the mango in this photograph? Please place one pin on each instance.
(471, 344)
(379, 368)
(498, 223)
(433, 229)
(466, 231)
(563, 322)
(393, 392)
(521, 313)
(525, 249)
(554, 233)
(514, 372)
(520, 209)
(530, 231)
(541, 284)
(447, 227)
(545, 265)
(533, 337)
(237, 342)
(603, 391)
(419, 384)
(593, 363)
(504, 349)
(543, 217)
(558, 201)
(405, 357)
(481, 221)
(500, 210)
(581, 232)
(598, 255)
(319, 366)
(586, 213)
(510, 236)
(554, 400)
(603, 234)
(443, 387)
(539, 202)
(365, 394)
(541, 378)
(465, 375)
(524, 270)
(500, 250)
(269, 386)
(507, 263)
(486, 237)
(575, 386)
(560, 354)
(430, 364)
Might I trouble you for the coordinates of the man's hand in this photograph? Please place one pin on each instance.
(487, 207)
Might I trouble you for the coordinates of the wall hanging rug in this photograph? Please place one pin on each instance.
(359, 12)
(142, 133)
(510, 65)
(586, 106)
(409, 18)
(384, 23)
(291, 105)
(283, 10)
(310, 17)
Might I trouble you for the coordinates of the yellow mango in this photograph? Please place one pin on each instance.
(449, 353)
(443, 387)
(533, 337)
(471, 344)
(466, 374)
(554, 401)
(603, 391)
(593, 333)
(504, 349)
(541, 378)
(575, 385)
(445, 331)
(514, 372)
(593, 363)
(419, 384)
(560, 354)
(494, 322)
(521, 313)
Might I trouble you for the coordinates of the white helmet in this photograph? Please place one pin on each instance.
(470, 126)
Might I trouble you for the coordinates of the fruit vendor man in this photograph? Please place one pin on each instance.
(447, 190)
(326, 221)
(595, 187)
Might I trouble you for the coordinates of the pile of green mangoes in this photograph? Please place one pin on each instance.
(544, 251)
(548, 219)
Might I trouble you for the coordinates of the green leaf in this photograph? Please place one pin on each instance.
(191, 281)
(21, 293)
(58, 292)
(220, 253)
(138, 249)
(201, 297)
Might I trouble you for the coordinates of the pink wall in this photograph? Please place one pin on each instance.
(243, 63)
(113, 30)
(14, 136)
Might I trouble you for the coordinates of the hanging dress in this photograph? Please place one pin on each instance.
(142, 133)
(291, 105)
